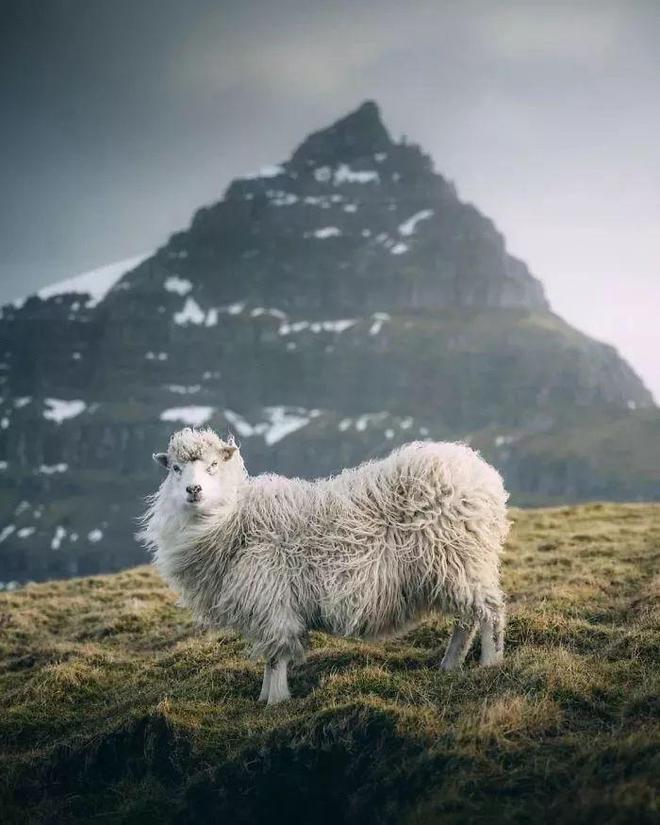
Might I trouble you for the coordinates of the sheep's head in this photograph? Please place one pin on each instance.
(203, 470)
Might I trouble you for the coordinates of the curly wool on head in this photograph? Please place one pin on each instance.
(190, 444)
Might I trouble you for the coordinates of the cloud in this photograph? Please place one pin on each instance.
(303, 61)
(313, 55)
(531, 32)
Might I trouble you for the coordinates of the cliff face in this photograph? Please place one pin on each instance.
(327, 309)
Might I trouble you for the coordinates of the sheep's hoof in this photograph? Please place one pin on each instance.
(449, 665)
(492, 661)
(278, 697)
(271, 702)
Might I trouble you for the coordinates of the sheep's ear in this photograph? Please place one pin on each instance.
(162, 459)
(228, 451)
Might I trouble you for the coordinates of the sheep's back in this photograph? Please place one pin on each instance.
(418, 529)
(422, 482)
(368, 550)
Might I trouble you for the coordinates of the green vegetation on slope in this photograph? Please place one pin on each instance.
(113, 706)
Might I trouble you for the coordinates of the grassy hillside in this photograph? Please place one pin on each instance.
(114, 707)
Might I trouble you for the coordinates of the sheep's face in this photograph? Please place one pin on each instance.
(203, 472)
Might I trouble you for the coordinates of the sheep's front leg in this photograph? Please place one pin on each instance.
(459, 644)
(492, 639)
(265, 685)
(278, 688)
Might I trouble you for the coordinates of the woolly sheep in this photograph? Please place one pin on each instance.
(363, 553)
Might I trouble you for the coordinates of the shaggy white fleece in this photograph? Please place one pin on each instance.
(363, 553)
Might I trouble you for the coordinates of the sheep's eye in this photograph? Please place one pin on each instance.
(176, 468)
(213, 466)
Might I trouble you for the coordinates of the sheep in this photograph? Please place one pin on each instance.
(364, 553)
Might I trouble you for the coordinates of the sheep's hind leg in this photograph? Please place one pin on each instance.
(492, 638)
(459, 644)
(265, 685)
(278, 688)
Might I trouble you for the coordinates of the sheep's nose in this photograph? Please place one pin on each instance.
(194, 489)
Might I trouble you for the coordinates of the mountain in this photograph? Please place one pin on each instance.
(325, 310)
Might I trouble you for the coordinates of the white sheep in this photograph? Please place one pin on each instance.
(363, 553)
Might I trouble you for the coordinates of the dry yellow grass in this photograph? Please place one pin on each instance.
(113, 706)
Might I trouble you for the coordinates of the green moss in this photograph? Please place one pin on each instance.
(114, 706)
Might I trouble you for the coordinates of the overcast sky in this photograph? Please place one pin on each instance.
(121, 117)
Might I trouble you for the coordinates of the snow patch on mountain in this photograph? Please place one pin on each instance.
(58, 537)
(279, 198)
(60, 410)
(366, 420)
(181, 389)
(379, 320)
(280, 422)
(96, 283)
(265, 172)
(338, 325)
(275, 313)
(233, 309)
(193, 416)
(324, 201)
(326, 232)
(179, 285)
(50, 469)
(191, 313)
(408, 227)
(344, 174)
(6, 532)
(323, 174)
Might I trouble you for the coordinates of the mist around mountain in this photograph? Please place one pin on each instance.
(325, 310)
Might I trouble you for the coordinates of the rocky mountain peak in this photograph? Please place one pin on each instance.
(356, 135)
(354, 222)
